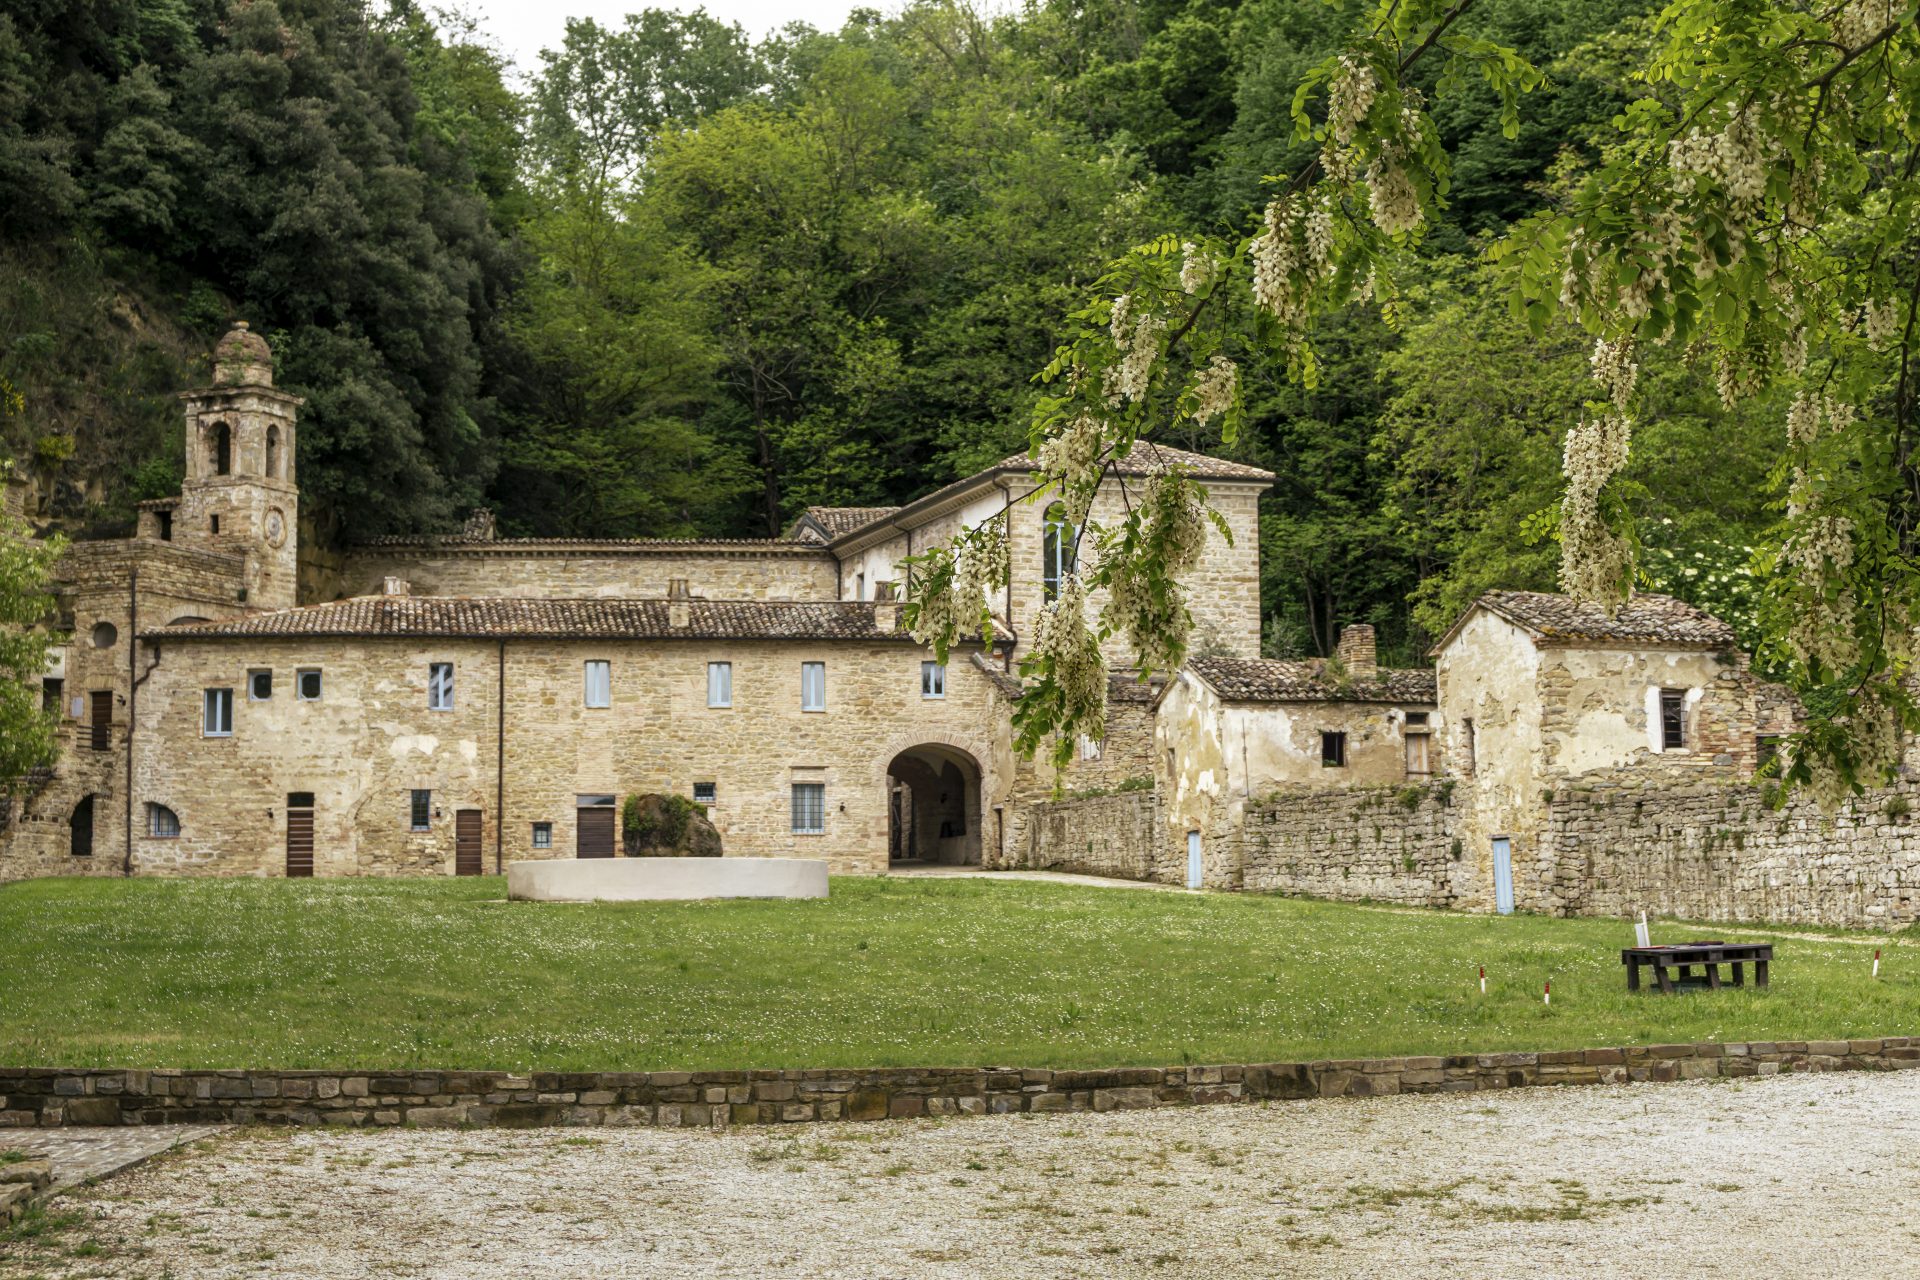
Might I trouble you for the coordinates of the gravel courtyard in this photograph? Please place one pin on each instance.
(1803, 1175)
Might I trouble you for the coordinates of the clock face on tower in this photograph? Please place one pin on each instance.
(276, 527)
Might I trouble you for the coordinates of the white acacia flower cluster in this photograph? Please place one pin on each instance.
(1735, 157)
(1138, 340)
(1072, 461)
(1820, 540)
(1616, 369)
(1736, 375)
(1812, 412)
(1349, 98)
(1152, 613)
(1861, 20)
(1196, 268)
(1793, 352)
(1392, 199)
(1880, 321)
(1062, 640)
(1593, 558)
(1873, 731)
(1214, 388)
(1298, 241)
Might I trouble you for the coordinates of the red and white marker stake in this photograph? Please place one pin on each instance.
(1483, 979)
(1546, 997)
(1876, 962)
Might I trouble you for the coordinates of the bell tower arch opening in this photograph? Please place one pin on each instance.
(933, 806)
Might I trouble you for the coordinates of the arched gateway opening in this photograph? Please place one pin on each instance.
(933, 806)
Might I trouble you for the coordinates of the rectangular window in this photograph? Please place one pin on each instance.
(859, 586)
(1333, 750)
(217, 717)
(440, 686)
(1673, 719)
(543, 835)
(52, 694)
(813, 686)
(1416, 719)
(809, 808)
(719, 684)
(423, 810)
(599, 683)
(259, 686)
(706, 793)
(306, 685)
(1089, 748)
(933, 679)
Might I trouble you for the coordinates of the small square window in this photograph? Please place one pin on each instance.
(1416, 719)
(719, 684)
(543, 835)
(706, 793)
(933, 679)
(1333, 750)
(599, 688)
(440, 686)
(217, 713)
(307, 685)
(809, 808)
(259, 686)
(423, 810)
(813, 686)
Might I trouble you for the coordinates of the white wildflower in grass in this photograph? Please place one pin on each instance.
(1392, 200)
(1615, 369)
(1214, 388)
(1349, 98)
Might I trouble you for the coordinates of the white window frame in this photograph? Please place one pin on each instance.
(255, 674)
(299, 684)
(802, 810)
(439, 686)
(210, 700)
(933, 680)
(720, 684)
(813, 686)
(603, 669)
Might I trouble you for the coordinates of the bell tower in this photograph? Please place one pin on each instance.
(239, 494)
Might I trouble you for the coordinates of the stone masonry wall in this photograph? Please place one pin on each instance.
(50, 1097)
(1377, 844)
(637, 572)
(1113, 835)
(1715, 852)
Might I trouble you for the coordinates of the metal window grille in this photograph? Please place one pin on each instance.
(162, 822)
(706, 793)
(809, 808)
(543, 835)
(1673, 719)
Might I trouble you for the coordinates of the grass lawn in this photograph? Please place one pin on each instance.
(442, 973)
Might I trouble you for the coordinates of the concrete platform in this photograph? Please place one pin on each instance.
(664, 879)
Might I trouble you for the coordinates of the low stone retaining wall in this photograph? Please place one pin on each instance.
(38, 1096)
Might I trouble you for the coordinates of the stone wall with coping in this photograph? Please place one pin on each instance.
(639, 572)
(48, 1097)
(1111, 835)
(1374, 844)
(1624, 843)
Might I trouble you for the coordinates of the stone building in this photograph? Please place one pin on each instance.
(443, 704)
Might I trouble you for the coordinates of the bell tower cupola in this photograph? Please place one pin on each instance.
(240, 495)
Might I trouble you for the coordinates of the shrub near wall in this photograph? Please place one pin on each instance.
(1623, 845)
(1380, 844)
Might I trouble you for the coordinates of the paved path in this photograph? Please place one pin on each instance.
(1803, 1176)
(78, 1154)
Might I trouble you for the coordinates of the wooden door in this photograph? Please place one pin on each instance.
(466, 842)
(100, 721)
(300, 840)
(595, 833)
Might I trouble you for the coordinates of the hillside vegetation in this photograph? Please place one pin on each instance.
(685, 283)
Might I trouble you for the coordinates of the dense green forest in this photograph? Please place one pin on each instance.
(671, 281)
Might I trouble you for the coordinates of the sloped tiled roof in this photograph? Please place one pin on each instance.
(457, 541)
(467, 617)
(835, 521)
(1277, 680)
(1645, 619)
(1148, 457)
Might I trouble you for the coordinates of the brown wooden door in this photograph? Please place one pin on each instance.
(595, 839)
(299, 842)
(466, 842)
(100, 721)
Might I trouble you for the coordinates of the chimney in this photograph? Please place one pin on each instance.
(677, 589)
(1356, 652)
(679, 604)
(886, 613)
(883, 590)
(393, 587)
(479, 526)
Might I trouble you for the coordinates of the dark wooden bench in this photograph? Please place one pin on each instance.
(1708, 955)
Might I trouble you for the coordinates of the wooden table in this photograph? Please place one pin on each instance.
(1708, 955)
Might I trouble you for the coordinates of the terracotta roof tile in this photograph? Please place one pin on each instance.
(467, 617)
(1645, 619)
(462, 542)
(836, 521)
(1148, 457)
(1275, 680)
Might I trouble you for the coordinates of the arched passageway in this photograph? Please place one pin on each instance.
(933, 806)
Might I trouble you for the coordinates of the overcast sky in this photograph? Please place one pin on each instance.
(523, 27)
